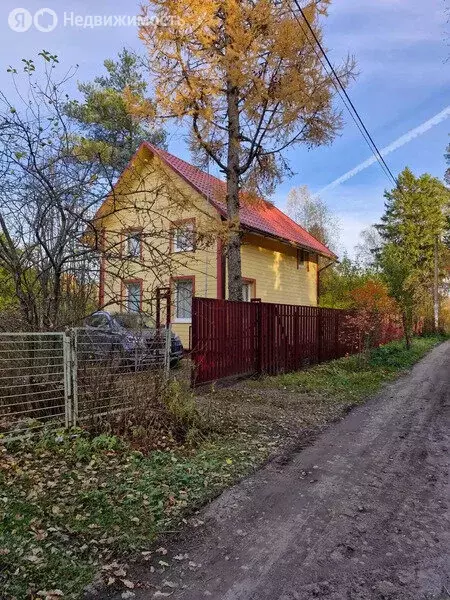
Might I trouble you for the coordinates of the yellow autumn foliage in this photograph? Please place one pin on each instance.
(200, 49)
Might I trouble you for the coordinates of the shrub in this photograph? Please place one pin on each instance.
(151, 413)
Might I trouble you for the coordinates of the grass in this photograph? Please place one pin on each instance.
(72, 503)
(352, 379)
(286, 407)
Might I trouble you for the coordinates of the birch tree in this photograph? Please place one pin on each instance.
(313, 214)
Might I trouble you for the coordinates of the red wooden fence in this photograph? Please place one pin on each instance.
(244, 339)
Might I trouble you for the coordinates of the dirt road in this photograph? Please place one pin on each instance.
(362, 513)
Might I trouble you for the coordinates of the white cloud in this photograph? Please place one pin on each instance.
(398, 143)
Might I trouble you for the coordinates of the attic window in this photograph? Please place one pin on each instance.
(303, 259)
(134, 244)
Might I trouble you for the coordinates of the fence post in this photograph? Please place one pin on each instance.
(74, 373)
(337, 353)
(259, 338)
(67, 379)
(194, 341)
(319, 335)
(167, 348)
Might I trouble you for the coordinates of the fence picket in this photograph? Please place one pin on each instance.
(244, 339)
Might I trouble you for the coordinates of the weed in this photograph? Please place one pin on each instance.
(350, 379)
(70, 502)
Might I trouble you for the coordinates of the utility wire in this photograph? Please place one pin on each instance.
(344, 95)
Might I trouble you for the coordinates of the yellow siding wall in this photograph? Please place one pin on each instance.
(147, 200)
(274, 266)
(152, 197)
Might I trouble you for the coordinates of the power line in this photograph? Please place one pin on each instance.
(344, 95)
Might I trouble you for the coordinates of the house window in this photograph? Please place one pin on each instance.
(184, 290)
(184, 237)
(134, 242)
(133, 296)
(303, 259)
(247, 290)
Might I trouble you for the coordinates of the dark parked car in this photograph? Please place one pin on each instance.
(128, 339)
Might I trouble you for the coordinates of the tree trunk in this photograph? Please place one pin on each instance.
(436, 285)
(406, 330)
(234, 223)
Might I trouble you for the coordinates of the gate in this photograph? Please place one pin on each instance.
(35, 380)
(224, 339)
(65, 378)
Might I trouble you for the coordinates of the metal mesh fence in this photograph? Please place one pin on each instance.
(66, 378)
(112, 374)
(33, 380)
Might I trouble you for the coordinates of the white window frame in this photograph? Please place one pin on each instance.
(177, 319)
(127, 296)
(131, 237)
(250, 286)
(179, 230)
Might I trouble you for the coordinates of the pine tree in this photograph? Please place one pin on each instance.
(116, 114)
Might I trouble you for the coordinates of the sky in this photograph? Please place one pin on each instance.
(402, 90)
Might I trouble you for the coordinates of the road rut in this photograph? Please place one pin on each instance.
(361, 514)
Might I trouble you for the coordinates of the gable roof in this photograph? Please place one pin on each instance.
(258, 216)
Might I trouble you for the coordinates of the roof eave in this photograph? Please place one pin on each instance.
(273, 236)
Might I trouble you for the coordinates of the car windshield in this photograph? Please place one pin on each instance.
(98, 321)
(135, 321)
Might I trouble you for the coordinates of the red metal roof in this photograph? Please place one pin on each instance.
(257, 215)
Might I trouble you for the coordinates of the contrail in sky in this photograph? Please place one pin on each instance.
(401, 141)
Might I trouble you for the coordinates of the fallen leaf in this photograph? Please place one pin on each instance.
(181, 557)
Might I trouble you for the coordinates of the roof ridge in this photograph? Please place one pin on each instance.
(277, 224)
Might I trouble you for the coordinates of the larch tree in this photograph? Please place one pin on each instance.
(248, 77)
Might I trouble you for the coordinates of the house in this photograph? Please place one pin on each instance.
(163, 226)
